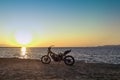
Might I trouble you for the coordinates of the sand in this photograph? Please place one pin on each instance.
(26, 69)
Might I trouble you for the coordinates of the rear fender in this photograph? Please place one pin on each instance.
(66, 52)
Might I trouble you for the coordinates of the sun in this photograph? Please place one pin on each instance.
(23, 37)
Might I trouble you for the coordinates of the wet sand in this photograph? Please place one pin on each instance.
(26, 69)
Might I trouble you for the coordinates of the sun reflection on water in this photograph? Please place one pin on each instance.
(23, 54)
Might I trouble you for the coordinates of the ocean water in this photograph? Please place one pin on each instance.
(88, 54)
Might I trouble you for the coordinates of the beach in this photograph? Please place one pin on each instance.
(31, 69)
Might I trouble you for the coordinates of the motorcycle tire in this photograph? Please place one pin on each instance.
(69, 60)
(45, 59)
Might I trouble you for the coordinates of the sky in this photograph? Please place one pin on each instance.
(64, 23)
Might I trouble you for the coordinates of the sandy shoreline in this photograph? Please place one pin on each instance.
(26, 69)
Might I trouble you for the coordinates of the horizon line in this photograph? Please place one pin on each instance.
(56, 46)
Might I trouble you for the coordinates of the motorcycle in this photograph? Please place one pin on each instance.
(68, 59)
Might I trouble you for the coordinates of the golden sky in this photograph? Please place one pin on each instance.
(72, 23)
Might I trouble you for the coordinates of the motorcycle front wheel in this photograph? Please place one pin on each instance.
(69, 60)
(45, 59)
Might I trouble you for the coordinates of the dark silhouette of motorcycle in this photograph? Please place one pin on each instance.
(68, 59)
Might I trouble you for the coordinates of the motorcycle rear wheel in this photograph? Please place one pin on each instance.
(69, 60)
(45, 59)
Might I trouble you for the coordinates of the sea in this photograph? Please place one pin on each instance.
(104, 54)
